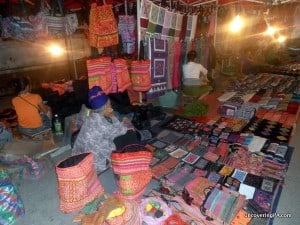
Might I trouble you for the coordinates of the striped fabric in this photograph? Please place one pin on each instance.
(99, 73)
(223, 204)
(129, 162)
(133, 172)
(11, 207)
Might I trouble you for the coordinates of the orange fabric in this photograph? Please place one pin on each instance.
(28, 115)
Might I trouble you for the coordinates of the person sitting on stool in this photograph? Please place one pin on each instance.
(195, 81)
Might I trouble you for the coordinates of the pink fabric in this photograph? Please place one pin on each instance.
(176, 79)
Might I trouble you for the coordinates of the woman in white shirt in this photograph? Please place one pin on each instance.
(195, 81)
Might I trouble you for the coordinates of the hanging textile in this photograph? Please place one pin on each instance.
(144, 17)
(140, 75)
(99, 73)
(153, 19)
(183, 27)
(212, 24)
(178, 26)
(126, 27)
(112, 77)
(296, 25)
(194, 26)
(122, 74)
(103, 29)
(160, 20)
(171, 51)
(189, 27)
(166, 25)
(176, 78)
(173, 25)
(158, 54)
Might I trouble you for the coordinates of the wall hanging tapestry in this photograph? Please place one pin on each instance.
(103, 27)
(158, 53)
(153, 19)
(144, 17)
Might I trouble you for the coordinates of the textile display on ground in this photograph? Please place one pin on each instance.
(216, 169)
(247, 156)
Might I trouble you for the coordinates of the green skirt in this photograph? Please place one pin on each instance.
(195, 90)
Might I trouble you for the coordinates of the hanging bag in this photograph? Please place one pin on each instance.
(103, 28)
(140, 72)
(37, 20)
(59, 24)
(17, 27)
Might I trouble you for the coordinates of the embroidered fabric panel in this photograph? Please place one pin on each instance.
(144, 17)
(159, 67)
(166, 24)
(126, 26)
(103, 27)
(140, 75)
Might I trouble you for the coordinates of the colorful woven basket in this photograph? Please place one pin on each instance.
(78, 183)
(133, 172)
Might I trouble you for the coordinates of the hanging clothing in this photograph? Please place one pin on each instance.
(178, 26)
(212, 24)
(171, 50)
(183, 27)
(176, 78)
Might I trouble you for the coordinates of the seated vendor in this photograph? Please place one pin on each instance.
(195, 81)
(101, 128)
(33, 115)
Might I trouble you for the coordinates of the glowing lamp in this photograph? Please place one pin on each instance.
(270, 31)
(281, 39)
(55, 50)
(236, 25)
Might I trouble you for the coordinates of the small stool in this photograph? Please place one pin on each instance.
(42, 135)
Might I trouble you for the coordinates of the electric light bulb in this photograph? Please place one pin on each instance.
(237, 24)
(55, 50)
(281, 39)
(271, 31)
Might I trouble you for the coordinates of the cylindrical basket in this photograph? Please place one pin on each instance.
(78, 183)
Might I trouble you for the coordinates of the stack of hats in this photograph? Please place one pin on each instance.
(133, 172)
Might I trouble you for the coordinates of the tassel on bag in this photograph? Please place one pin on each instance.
(78, 183)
